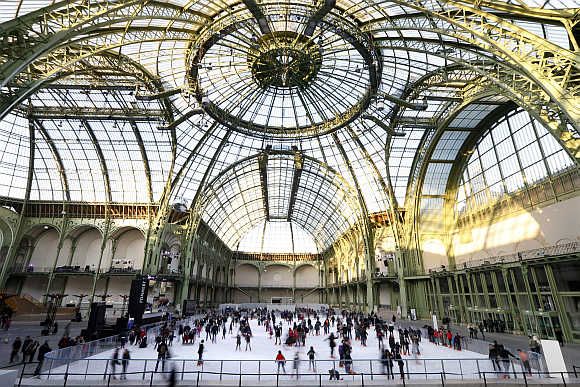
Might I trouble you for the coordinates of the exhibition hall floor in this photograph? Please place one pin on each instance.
(223, 362)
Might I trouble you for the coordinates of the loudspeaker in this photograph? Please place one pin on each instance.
(138, 298)
(97, 316)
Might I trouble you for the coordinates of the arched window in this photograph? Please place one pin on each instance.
(515, 153)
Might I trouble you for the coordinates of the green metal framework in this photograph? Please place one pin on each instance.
(164, 103)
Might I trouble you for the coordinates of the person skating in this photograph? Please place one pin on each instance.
(504, 355)
(332, 344)
(25, 344)
(525, 359)
(494, 357)
(162, 355)
(296, 364)
(125, 363)
(401, 364)
(363, 337)
(415, 348)
(387, 361)
(42, 351)
(172, 380)
(32, 350)
(238, 342)
(311, 363)
(380, 337)
(248, 339)
(16, 345)
(281, 361)
(347, 350)
(200, 353)
(114, 362)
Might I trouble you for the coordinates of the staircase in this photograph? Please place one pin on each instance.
(25, 304)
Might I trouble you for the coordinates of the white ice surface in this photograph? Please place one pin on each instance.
(222, 356)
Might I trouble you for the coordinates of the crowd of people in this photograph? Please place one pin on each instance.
(24, 351)
(292, 334)
(340, 331)
(444, 337)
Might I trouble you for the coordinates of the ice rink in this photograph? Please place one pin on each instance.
(223, 362)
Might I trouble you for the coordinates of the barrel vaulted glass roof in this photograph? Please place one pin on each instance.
(210, 103)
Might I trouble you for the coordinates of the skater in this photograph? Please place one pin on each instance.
(504, 355)
(387, 361)
(32, 350)
(42, 350)
(238, 342)
(114, 362)
(415, 348)
(380, 337)
(281, 361)
(25, 344)
(311, 364)
(332, 343)
(493, 356)
(525, 359)
(248, 338)
(125, 363)
(16, 345)
(401, 365)
(200, 353)
(347, 349)
(162, 355)
(296, 364)
(363, 337)
(172, 380)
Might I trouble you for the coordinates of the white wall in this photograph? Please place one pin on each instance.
(558, 223)
(304, 296)
(64, 256)
(45, 249)
(385, 294)
(307, 277)
(277, 275)
(434, 253)
(246, 275)
(131, 245)
(88, 249)
(239, 297)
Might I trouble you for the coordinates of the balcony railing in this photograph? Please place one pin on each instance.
(549, 251)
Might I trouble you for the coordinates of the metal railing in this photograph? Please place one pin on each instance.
(74, 353)
(197, 377)
(568, 248)
(462, 369)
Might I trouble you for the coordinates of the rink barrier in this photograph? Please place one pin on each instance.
(322, 379)
(458, 369)
(290, 307)
(59, 357)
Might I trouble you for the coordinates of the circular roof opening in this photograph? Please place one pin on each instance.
(284, 82)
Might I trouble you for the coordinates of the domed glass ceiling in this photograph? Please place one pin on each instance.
(151, 102)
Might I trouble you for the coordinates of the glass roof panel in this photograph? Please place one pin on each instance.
(187, 99)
